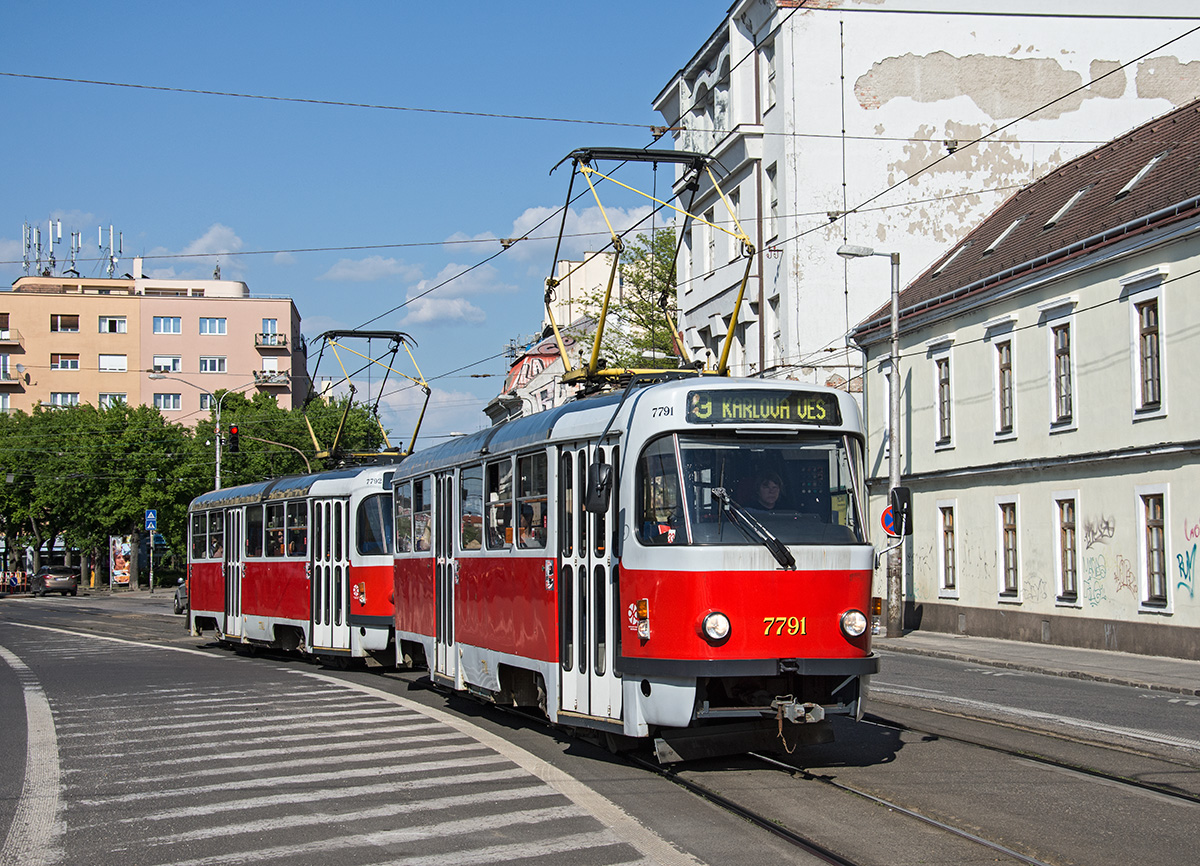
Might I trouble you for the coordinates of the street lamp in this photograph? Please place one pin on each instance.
(219, 400)
(895, 611)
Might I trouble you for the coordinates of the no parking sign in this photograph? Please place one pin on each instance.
(888, 520)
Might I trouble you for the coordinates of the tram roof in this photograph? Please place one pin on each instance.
(274, 488)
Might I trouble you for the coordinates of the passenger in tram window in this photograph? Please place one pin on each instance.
(767, 491)
(274, 542)
(216, 548)
(531, 536)
(424, 539)
(298, 542)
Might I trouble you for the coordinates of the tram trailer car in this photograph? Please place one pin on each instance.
(298, 563)
(662, 612)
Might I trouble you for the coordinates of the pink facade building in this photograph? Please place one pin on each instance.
(172, 344)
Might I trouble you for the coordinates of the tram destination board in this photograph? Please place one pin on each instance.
(762, 406)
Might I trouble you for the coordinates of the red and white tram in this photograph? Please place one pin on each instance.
(303, 562)
(611, 561)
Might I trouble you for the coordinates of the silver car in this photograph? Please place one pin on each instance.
(55, 578)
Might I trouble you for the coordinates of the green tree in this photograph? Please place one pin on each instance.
(638, 329)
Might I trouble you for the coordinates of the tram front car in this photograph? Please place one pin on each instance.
(745, 565)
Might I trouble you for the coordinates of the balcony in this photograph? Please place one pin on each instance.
(11, 337)
(272, 378)
(270, 341)
(11, 378)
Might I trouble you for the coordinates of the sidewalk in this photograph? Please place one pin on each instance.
(1144, 672)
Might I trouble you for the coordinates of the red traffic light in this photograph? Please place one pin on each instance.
(233, 439)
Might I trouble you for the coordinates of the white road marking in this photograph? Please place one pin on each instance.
(33, 838)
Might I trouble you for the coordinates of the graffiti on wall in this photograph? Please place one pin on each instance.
(1097, 530)
(1095, 573)
(1187, 571)
(1123, 575)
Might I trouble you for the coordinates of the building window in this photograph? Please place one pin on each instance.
(710, 249)
(207, 402)
(212, 365)
(947, 560)
(270, 333)
(735, 247)
(64, 398)
(1150, 384)
(64, 362)
(113, 364)
(113, 325)
(1155, 544)
(1004, 389)
(167, 402)
(107, 401)
(1063, 397)
(944, 399)
(1010, 556)
(168, 325)
(64, 324)
(768, 55)
(167, 364)
(212, 327)
(773, 201)
(1068, 574)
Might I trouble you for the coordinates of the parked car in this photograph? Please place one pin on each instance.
(181, 596)
(55, 578)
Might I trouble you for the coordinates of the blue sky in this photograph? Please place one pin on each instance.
(187, 173)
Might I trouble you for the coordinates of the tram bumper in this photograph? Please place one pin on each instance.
(767, 735)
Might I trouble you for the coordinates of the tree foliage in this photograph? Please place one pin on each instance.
(82, 473)
(638, 329)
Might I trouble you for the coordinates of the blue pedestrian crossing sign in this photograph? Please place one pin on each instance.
(151, 519)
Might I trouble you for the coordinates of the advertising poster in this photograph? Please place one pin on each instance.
(119, 550)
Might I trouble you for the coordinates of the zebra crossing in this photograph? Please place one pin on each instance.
(223, 760)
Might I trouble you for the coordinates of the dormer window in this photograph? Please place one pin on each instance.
(1137, 178)
(1004, 234)
(1062, 211)
(954, 255)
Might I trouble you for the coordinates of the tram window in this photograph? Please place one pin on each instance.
(566, 622)
(318, 550)
(199, 536)
(599, 644)
(275, 516)
(498, 517)
(254, 530)
(402, 518)
(423, 513)
(598, 534)
(566, 519)
(660, 518)
(216, 534)
(531, 499)
(374, 525)
(580, 514)
(297, 529)
(337, 531)
(470, 508)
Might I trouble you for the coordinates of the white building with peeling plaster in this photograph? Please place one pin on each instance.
(860, 121)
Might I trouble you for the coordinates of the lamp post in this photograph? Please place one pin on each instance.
(895, 609)
(218, 400)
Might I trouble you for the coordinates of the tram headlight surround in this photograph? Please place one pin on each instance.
(854, 623)
(715, 626)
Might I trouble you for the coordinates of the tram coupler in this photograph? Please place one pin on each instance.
(714, 741)
(787, 707)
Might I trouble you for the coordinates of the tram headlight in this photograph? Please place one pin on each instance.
(716, 626)
(854, 623)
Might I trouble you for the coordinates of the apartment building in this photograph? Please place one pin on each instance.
(172, 344)
(1048, 427)
(856, 121)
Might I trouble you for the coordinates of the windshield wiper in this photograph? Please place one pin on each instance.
(755, 531)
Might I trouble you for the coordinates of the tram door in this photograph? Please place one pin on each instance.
(445, 578)
(330, 582)
(233, 572)
(586, 591)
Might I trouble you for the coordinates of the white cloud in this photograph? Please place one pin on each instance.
(585, 230)
(370, 269)
(442, 311)
(203, 254)
(284, 259)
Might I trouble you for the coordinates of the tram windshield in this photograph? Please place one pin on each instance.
(803, 490)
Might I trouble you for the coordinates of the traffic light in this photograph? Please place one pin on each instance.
(233, 439)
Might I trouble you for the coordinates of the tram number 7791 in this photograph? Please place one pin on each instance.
(793, 625)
